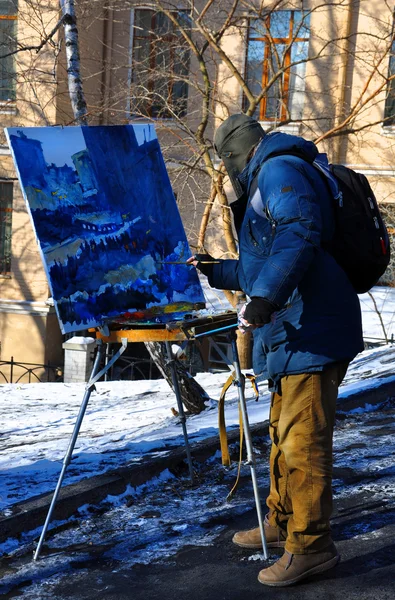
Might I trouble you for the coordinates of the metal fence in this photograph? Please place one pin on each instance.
(132, 368)
(371, 342)
(12, 371)
(126, 368)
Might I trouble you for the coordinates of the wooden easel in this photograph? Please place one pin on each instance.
(176, 331)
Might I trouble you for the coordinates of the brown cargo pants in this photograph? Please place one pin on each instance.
(302, 417)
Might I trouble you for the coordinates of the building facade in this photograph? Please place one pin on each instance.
(29, 331)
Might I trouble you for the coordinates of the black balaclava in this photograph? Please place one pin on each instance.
(233, 142)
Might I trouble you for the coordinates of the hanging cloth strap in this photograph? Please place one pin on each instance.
(223, 440)
(221, 416)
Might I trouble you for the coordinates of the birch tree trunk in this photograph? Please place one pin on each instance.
(192, 394)
(76, 91)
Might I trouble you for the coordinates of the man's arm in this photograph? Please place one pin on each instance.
(221, 274)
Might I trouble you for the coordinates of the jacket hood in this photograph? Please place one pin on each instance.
(233, 142)
(274, 144)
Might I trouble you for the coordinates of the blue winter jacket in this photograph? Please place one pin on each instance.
(281, 258)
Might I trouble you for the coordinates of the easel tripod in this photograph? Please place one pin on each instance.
(187, 331)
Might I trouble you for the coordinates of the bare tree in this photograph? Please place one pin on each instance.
(296, 73)
(300, 61)
(323, 70)
(378, 312)
(77, 96)
(191, 65)
(193, 395)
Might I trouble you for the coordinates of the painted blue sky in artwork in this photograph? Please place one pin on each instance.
(106, 221)
(59, 154)
(145, 133)
(73, 141)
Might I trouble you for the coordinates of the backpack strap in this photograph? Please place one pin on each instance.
(325, 170)
(320, 163)
(253, 191)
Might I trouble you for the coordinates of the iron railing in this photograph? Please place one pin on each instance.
(12, 371)
(126, 368)
(131, 368)
(134, 368)
(373, 342)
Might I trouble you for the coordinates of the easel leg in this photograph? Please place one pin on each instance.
(250, 450)
(67, 458)
(180, 406)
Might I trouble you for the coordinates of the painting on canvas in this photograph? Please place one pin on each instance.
(107, 223)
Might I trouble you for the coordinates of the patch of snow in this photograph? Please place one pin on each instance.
(255, 557)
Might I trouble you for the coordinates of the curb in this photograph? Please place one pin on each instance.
(31, 513)
(369, 396)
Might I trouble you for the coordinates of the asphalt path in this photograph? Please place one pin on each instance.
(363, 530)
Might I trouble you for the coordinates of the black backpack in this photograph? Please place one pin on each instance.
(360, 243)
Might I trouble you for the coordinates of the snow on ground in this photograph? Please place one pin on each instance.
(126, 420)
(373, 329)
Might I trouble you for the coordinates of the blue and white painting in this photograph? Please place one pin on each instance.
(107, 223)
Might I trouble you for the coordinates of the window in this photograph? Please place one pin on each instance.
(160, 65)
(8, 32)
(389, 110)
(278, 41)
(5, 227)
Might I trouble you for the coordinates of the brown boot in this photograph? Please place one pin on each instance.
(291, 568)
(275, 537)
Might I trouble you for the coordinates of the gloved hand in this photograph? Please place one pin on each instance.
(259, 311)
(202, 262)
(242, 324)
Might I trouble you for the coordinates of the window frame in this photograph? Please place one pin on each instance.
(389, 115)
(6, 228)
(153, 38)
(268, 41)
(11, 16)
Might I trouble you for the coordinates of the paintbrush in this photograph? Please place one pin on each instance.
(180, 262)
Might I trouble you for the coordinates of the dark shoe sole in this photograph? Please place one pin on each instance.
(259, 546)
(314, 571)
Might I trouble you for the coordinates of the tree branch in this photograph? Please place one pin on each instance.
(37, 48)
